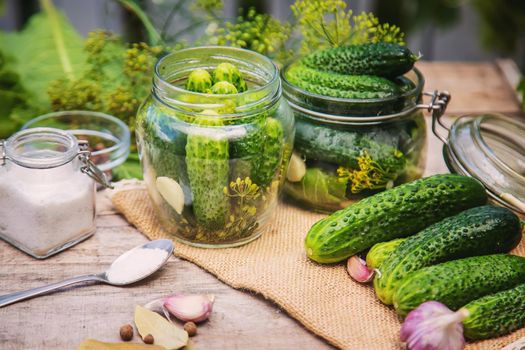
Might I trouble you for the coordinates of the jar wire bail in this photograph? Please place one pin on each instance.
(437, 106)
(89, 168)
(3, 156)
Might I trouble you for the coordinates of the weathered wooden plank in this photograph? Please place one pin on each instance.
(475, 87)
(63, 319)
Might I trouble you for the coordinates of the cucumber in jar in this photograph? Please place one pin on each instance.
(259, 152)
(367, 160)
(207, 161)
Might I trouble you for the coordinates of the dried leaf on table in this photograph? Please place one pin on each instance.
(91, 344)
(164, 332)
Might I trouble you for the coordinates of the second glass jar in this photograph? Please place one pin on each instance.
(347, 149)
(214, 164)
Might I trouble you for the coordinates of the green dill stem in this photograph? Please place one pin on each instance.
(336, 27)
(188, 28)
(172, 13)
(50, 10)
(153, 35)
(319, 32)
(327, 35)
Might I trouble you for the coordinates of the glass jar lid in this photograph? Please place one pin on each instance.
(46, 148)
(490, 148)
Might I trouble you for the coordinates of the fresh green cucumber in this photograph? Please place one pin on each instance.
(495, 314)
(381, 251)
(457, 282)
(382, 59)
(476, 231)
(207, 161)
(340, 85)
(228, 72)
(395, 213)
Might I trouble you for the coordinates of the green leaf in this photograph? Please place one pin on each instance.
(130, 169)
(48, 48)
(319, 187)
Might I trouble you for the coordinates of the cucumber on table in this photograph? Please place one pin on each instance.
(457, 282)
(495, 314)
(381, 59)
(395, 213)
(381, 251)
(476, 231)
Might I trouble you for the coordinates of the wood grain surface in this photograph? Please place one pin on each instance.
(240, 320)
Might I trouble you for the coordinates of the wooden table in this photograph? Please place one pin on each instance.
(240, 320)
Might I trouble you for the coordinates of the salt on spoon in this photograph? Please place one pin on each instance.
(132, 266)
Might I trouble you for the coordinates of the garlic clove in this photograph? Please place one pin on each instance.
(296, 168)
(172, 192)
(195, 308)
(358, 270)
(433, 326)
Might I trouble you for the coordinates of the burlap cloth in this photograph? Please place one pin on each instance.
(323, 298)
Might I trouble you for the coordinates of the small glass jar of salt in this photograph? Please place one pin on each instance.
(47, 192)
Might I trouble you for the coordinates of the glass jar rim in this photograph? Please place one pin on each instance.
(317, 99)
(117, 153)
(58, 137)
(270, 89)
(418, 88)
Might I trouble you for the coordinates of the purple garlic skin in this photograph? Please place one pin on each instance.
(358, 270)
(194, 308)
(433, 326)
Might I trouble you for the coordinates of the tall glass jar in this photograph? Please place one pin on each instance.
(214, 164)
(47, 192)
(348, 149)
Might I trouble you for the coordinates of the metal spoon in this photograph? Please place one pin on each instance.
(163, 244)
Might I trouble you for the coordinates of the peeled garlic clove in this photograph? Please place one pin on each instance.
(172, 192)
(296, 168)
(358, 270)
(195, 308)
(433, 326)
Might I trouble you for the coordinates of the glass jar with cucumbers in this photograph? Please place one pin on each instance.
(360, 127)
(215, 138)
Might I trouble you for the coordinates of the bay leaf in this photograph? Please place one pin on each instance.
(164, 332)
(92, 344)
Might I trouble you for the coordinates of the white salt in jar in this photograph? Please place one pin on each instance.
(47, 192)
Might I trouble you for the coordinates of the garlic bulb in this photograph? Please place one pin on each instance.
(433, 326)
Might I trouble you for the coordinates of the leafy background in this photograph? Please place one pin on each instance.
(56, 60)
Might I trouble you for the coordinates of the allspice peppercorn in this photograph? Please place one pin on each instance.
(126, 332)
(148, 339)
(191, 328)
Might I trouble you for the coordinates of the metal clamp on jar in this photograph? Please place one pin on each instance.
(491, 148)
(47, 203)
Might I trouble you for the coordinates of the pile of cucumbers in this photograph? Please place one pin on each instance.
(434, 239)
(366, 71)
